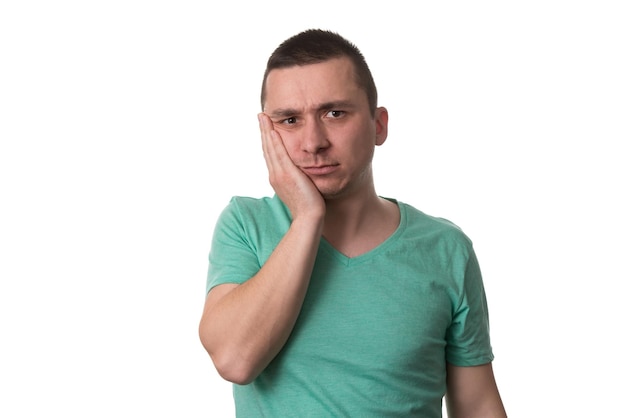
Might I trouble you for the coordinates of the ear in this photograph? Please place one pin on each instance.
(381, 118)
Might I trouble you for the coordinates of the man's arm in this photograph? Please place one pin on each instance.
(473, 393)
(244, 326)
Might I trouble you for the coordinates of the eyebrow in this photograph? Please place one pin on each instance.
(286, 112)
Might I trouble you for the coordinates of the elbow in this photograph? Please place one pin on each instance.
(234, 369)
(229, 363)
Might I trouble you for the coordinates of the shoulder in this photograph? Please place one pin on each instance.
(256, 216)
(428, 225)
(253, 207)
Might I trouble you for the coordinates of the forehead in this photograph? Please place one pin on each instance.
(303, 85)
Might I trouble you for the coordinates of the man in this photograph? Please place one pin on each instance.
(327, 300)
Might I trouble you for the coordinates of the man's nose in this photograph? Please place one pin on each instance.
(315, 137)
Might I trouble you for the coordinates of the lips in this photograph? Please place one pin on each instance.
(320, 170)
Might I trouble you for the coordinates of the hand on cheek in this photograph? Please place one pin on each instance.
(293, 187)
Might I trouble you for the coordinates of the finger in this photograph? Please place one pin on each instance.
(266, 128)
(273, 147)
(262, 128)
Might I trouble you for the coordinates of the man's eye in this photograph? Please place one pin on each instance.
(289, 121)
(335, 113)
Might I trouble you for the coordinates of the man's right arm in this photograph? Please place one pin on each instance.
(244, 326)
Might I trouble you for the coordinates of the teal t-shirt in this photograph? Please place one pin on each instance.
(375, 331)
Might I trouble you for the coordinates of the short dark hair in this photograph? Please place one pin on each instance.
(314, 46)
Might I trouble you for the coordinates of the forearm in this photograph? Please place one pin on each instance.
(491, 408)
(245, 328)
(472, 392)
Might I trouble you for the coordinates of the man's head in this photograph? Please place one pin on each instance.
(314, 46)
(321, 100)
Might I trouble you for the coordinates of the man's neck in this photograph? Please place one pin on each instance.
(355, 226)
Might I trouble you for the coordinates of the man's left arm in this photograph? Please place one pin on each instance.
(472, 392)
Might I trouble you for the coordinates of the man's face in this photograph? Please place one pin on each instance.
(326, 125)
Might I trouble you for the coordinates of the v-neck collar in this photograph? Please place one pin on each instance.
(389, 241)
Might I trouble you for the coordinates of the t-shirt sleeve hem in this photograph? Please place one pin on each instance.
(476, 361)
(223, 281)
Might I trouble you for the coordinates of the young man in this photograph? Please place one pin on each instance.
(326, 299)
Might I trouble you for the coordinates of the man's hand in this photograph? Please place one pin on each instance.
(291, 185)
(245, 325)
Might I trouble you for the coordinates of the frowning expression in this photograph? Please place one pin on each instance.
(324, 119)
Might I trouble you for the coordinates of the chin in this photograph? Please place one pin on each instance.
(329, 194)
(332, 193)
(336, 190)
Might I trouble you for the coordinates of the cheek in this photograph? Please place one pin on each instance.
(363, 144)
(366, 154)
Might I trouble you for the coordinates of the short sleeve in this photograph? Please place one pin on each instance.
(468, 340)
(232, 258)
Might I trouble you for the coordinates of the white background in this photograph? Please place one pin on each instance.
(127, 125)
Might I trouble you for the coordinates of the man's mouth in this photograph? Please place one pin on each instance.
(320, 170)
